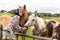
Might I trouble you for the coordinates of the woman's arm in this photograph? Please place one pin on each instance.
(19, 28)
(15, 22)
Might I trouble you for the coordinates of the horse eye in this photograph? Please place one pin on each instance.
(32, 19)
(19, 7)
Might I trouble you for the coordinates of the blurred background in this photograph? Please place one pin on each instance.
(47, 9)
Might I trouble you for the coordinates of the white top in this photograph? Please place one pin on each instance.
(14, 23)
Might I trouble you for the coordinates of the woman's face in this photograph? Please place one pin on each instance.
(20, 14)
(20, 10)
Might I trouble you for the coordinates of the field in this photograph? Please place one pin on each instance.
(6, 14)
(29, 32)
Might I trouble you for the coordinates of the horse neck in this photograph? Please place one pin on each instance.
(36, 24)
(23, 19)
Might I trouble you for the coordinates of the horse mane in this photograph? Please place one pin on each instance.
(58, 28)
(49, 27)
(58, 32)
(41, 22)
(24, 18)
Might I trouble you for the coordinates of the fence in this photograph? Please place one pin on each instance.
(35, 37)
(30, 36)
(0, 32)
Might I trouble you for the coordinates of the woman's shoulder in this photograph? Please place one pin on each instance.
(16, 17)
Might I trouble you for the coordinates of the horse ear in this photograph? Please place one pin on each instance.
(24, 6)
(35, 14)
(19, 6)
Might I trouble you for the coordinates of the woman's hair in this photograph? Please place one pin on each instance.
(16, 12)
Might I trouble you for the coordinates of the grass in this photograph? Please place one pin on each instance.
(10, 14)
(29, 32)
(55, 18)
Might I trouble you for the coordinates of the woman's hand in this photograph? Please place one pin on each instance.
(24, 29)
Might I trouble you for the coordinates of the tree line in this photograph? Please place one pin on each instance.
(39, 14)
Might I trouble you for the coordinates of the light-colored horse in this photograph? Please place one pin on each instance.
(38, 23)
(4, 20)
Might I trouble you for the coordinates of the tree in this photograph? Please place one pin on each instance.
(3, 11)
(29, 13)
(35, 11)
(11, 11)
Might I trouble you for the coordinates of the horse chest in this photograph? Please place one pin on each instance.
(36, 30)
(22, 21)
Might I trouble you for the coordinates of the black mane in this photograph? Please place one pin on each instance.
(49, 27)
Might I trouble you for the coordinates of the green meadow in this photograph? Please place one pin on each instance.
(10, 14)
(29, 32)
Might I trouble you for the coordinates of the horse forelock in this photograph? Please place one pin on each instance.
(32, 16)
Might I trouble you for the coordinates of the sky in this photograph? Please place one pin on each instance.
(51, 6)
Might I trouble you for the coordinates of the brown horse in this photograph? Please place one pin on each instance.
(4, 20)
(58, 32)
(24, 18)
(51, 25)
(24, 12)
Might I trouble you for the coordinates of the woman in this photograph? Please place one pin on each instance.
(8, 32)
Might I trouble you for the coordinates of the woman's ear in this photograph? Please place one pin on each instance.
(24, 6)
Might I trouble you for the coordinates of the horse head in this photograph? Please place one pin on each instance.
(23, 14)
(50, 26)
